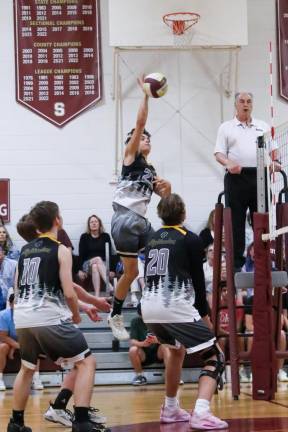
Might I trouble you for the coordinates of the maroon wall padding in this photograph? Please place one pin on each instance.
(263, 349)
(233, 344)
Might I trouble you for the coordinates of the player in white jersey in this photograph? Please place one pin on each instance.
(129, 227)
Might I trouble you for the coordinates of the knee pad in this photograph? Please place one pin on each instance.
(218, 364)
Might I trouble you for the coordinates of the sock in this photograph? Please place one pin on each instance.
(117, 306)
(171, 402)
(36, 376)
(62, 399)
(202, 406)
(18, 417)
(81, 414)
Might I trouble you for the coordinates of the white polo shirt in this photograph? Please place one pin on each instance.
(238, 141)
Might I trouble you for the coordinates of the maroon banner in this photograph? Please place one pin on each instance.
(282, 20)
(5, 200)
(58, 64)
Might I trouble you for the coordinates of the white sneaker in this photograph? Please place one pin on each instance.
(282, 376)
(95, 416)
(61, 416)
(243, 376)
(2, 385)
(37, 384)
(116, 323)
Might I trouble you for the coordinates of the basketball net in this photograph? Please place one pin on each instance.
(181, 24)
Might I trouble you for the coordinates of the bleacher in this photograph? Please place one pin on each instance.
(113, 364)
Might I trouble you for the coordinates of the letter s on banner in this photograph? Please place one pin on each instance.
(59, 109)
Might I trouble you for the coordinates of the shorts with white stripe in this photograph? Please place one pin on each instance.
(194, 336)
(64, 344)
(129, 231)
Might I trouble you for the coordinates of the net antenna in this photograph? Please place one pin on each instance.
(181, 24)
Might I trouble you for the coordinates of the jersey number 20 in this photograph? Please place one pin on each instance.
(158, 262)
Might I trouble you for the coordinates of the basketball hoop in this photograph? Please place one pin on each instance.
(181, 24)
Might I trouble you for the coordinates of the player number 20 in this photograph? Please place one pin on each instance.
(30, 271)
(159, 262)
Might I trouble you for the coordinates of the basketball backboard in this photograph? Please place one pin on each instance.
(139, 23)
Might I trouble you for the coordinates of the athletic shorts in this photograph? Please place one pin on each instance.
(64, 344)
(129, 231)
(151, 355)
(194, 336)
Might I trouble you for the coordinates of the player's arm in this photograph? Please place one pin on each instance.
(65, 274)
(133, 145)
(162, 187)
(16, 280)
(197, 275)
(100, 303)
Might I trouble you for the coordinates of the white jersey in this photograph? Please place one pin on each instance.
(135, 186)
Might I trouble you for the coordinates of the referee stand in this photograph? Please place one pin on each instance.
(267, 309)
(223, 219)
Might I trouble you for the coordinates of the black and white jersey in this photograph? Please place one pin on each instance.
(174, 279)
(135, 186)
(40, 298)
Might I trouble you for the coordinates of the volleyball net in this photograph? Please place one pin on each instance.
(275, 184)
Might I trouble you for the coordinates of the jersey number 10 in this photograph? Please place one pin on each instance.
(30, 271)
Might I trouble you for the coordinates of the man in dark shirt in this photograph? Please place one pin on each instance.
(175, 309)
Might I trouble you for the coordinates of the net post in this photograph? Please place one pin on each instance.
(263, 356)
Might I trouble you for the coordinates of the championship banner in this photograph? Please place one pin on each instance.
(282, 18)
(58, 57)
(4, 200)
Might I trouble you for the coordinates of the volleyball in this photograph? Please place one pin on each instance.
(155, 85)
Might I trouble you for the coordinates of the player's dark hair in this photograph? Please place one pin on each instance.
(171, 210)
(129, 135)
(44, 214)
(26, 228)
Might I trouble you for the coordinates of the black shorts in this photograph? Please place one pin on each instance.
(151, 355)
(194, 336)
(129, 231)
(64, 344)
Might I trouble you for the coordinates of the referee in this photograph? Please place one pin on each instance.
(236, 150)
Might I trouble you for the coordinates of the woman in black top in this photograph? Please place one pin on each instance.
(92, 253)
(207, 234)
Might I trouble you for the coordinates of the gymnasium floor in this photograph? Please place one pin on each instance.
(131, 409)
